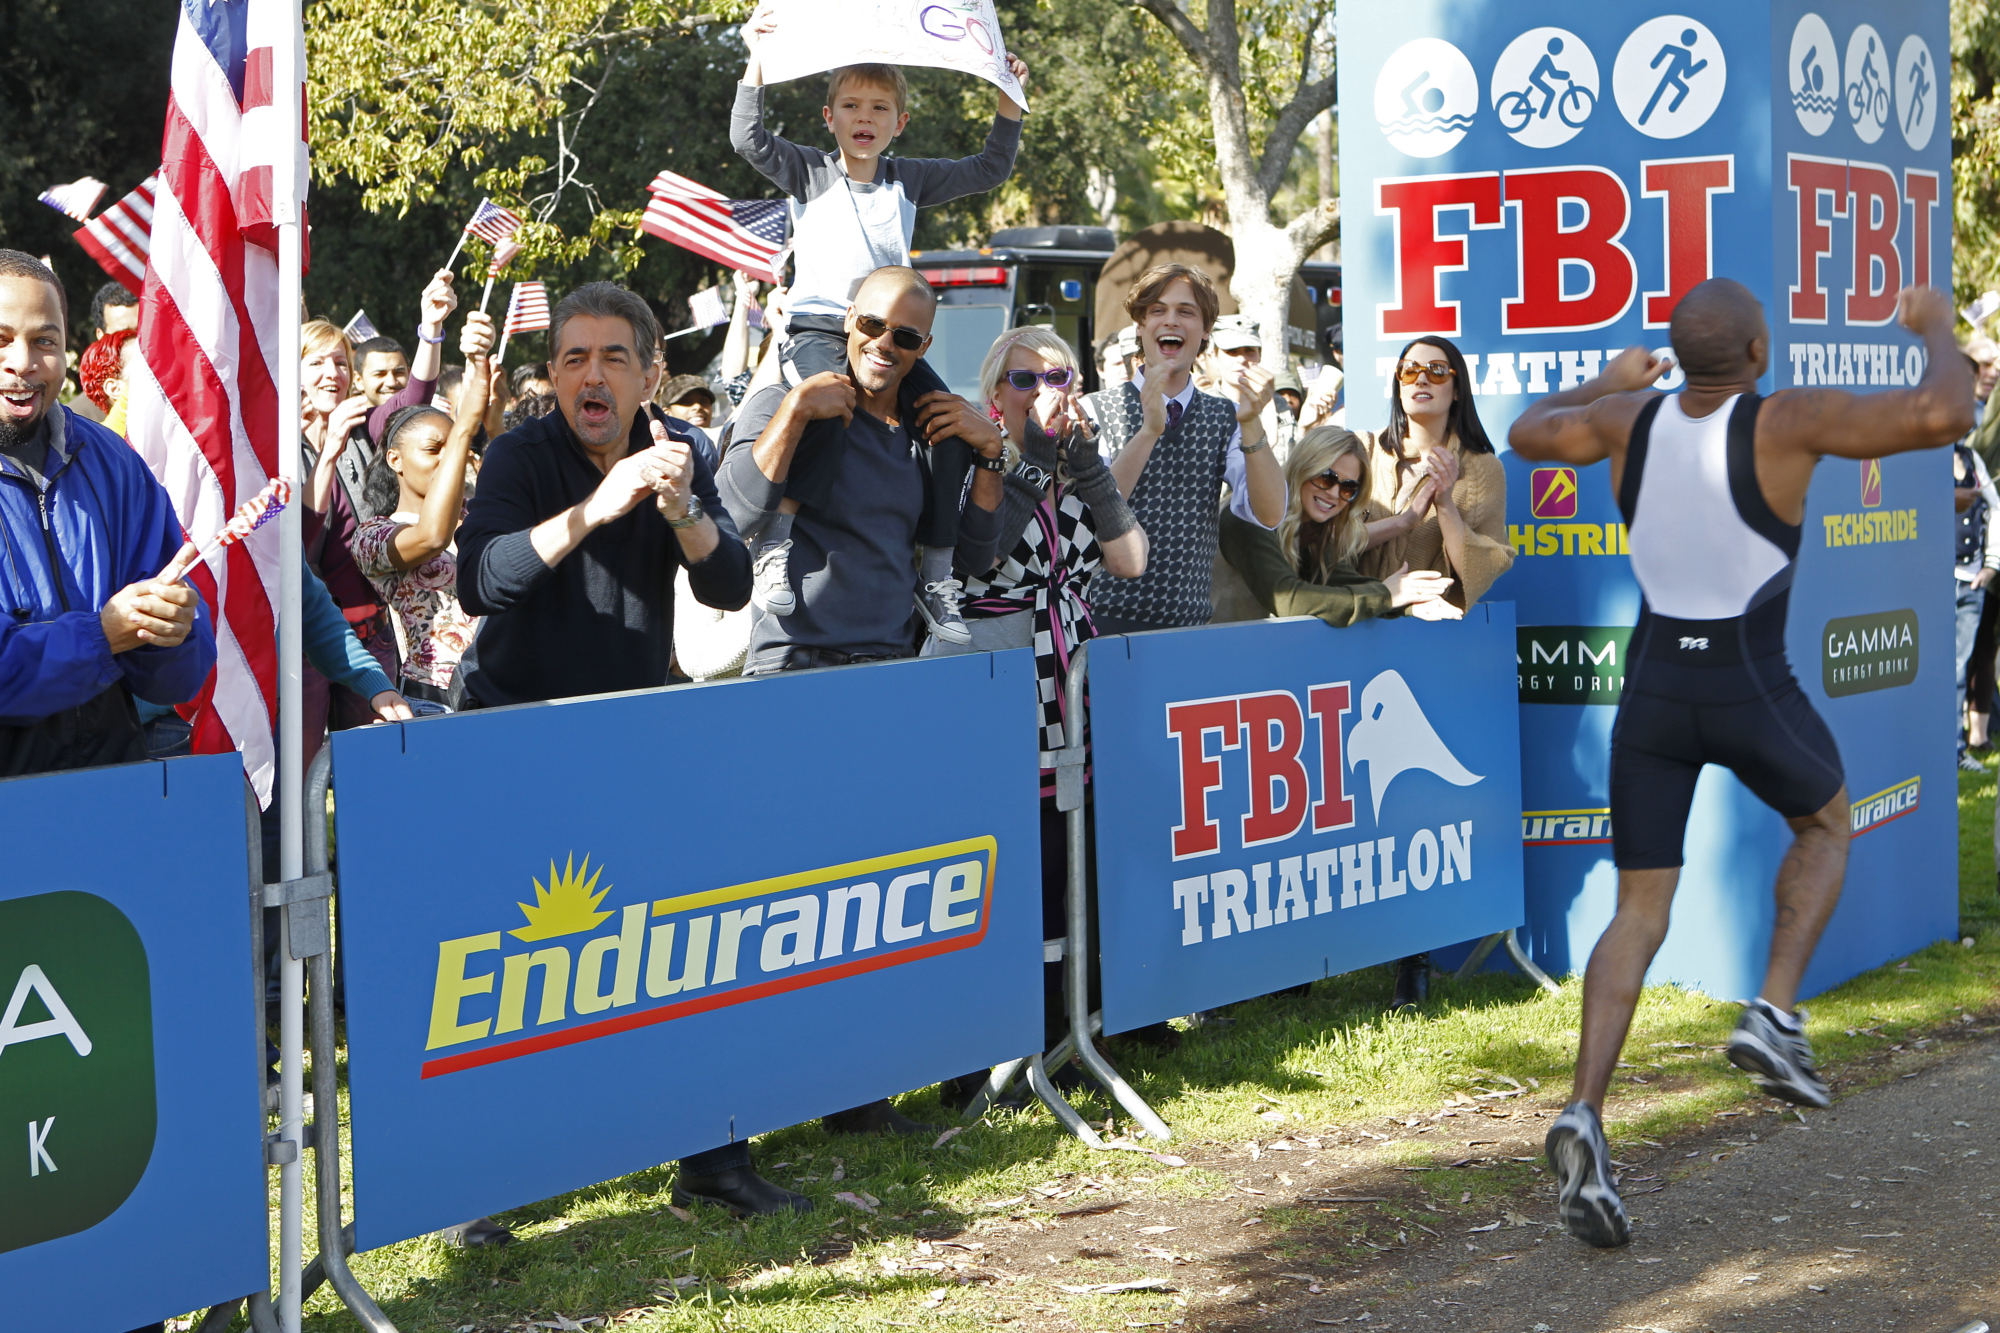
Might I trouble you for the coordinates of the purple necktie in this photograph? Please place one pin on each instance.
(1173, 413)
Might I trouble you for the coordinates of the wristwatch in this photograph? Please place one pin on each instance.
(995, 464)
(695, 513)
(1034, 474)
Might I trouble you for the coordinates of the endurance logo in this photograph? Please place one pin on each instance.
(76, 1065)
(1873, 652)
(1564, 828)
(703, 951)
(1391, 735)
(1872, 812)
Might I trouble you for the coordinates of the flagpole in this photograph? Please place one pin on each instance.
(486, 295)
(288, 60)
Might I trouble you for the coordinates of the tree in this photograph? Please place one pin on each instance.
(1251, 54)
(1975, 145)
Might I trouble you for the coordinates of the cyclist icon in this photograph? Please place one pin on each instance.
(1868, 96)
(1920, 87)
(1573, 105)
(1680, 65)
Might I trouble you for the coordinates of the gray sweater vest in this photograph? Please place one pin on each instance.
(1177, 501)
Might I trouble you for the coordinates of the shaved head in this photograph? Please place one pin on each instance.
(1719, 332)
(886, 287)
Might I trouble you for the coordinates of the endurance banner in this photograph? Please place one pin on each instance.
(702, 913)
(129, 1048)
(1241, 849)
(1541, 183)
(814, 36)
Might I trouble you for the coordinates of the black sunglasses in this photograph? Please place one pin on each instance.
(1334, 481)
(1059, 378)
(874, 326)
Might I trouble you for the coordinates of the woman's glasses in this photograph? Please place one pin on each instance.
(1439, 371)
(1058, 378)
(874, 326)
(1333, 481)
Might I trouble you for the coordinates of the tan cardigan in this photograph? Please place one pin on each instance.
(1481, 497)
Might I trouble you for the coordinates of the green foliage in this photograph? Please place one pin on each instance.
(1975, 145)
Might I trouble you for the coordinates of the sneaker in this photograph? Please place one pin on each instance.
(771, 581)
(1781, 1061)
(1585, 1191)
(1967, 764)
(938, 603)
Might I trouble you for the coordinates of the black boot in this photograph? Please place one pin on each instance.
(874, 1118)
(478, 1234)
(741, 1190)
(1413, 982)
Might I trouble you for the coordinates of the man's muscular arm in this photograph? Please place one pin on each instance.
(1587, 424)
(1938, 410)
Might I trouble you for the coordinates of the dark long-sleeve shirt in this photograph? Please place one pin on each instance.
(602, 620)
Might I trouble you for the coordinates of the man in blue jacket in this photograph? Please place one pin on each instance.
(84, 527)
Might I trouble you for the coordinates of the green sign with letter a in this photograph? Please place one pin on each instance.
(77, 1104)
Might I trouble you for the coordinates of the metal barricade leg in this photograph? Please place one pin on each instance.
(307, 922)
(1512, 940)
(1076, 953)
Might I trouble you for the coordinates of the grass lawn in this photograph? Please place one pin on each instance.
(1295, 1074)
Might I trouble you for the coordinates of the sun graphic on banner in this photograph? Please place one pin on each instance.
(567, 905)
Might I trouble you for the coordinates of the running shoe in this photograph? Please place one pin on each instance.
(1967, 764)
(938, 604)
(1781, 1061)
(771, 581)
(1585, 1191)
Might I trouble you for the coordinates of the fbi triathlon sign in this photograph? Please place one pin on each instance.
(76, 1065)
(579, 970)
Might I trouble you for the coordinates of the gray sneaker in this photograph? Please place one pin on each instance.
(771, 581)
(1779, 1060)
(938, 604)
(1585, 1192)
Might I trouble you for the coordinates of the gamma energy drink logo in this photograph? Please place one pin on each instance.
(579, 970)
(76, 1065)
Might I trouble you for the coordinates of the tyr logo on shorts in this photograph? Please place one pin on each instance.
(1694, 645)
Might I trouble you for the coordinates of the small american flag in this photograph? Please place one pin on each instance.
(492, 223)
(708, 308)
(120, 238)
(75, 199)
(502, 254)
(747, 234)
(361, 328)
(527, 309)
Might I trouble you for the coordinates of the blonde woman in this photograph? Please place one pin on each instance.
(1437, 495)
(1307, 566)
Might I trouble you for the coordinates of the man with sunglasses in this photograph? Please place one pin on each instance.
(850, 575)
(1712, 482)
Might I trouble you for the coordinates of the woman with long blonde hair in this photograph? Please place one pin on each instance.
(1306, 567)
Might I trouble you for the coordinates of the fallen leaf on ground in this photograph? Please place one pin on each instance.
(1111, 1288)
(861, 1199)
(682, 1213)
(1156, 1231)
(948, 1136)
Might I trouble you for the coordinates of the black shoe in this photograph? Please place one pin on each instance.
(1161, 1037)
(742, 1191)
(874, 1118)
(481, 1233)
(1413, 982)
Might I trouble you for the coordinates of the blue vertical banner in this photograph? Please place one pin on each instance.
(129, 1048)
(1541, 184)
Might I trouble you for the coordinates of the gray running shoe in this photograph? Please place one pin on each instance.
(1780, 1061)
(771, 581)
(1585, 1192)
(938, 604)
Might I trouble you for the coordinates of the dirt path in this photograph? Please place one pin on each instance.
(1877, 1215)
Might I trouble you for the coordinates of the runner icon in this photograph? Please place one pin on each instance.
(1680, 65)
(1573, 105)
(1920, 88)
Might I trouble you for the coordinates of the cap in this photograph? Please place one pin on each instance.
(683, 387)
(1234, 331)
(1286, 381)
(1127, 341)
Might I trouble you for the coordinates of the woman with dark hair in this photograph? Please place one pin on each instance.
(1437, 497)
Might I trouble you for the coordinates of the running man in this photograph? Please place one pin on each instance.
(1920, 87)
(1712, 482)
(1680, 64)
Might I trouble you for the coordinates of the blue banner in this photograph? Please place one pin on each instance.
(1541, 184)
(129, 1048)
(708, 912)
(1240, 850)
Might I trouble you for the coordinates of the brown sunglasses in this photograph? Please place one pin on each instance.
(1332, 480)
(1439, 371)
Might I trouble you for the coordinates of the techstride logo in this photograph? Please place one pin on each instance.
(702, 951)
(1391, 734)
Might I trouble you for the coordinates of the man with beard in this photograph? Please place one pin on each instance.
(87, 528)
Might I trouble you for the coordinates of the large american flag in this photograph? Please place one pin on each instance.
(119, 238)
(204, 410)
(747, 234)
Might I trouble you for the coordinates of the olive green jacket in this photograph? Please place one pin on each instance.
(1347, 598)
